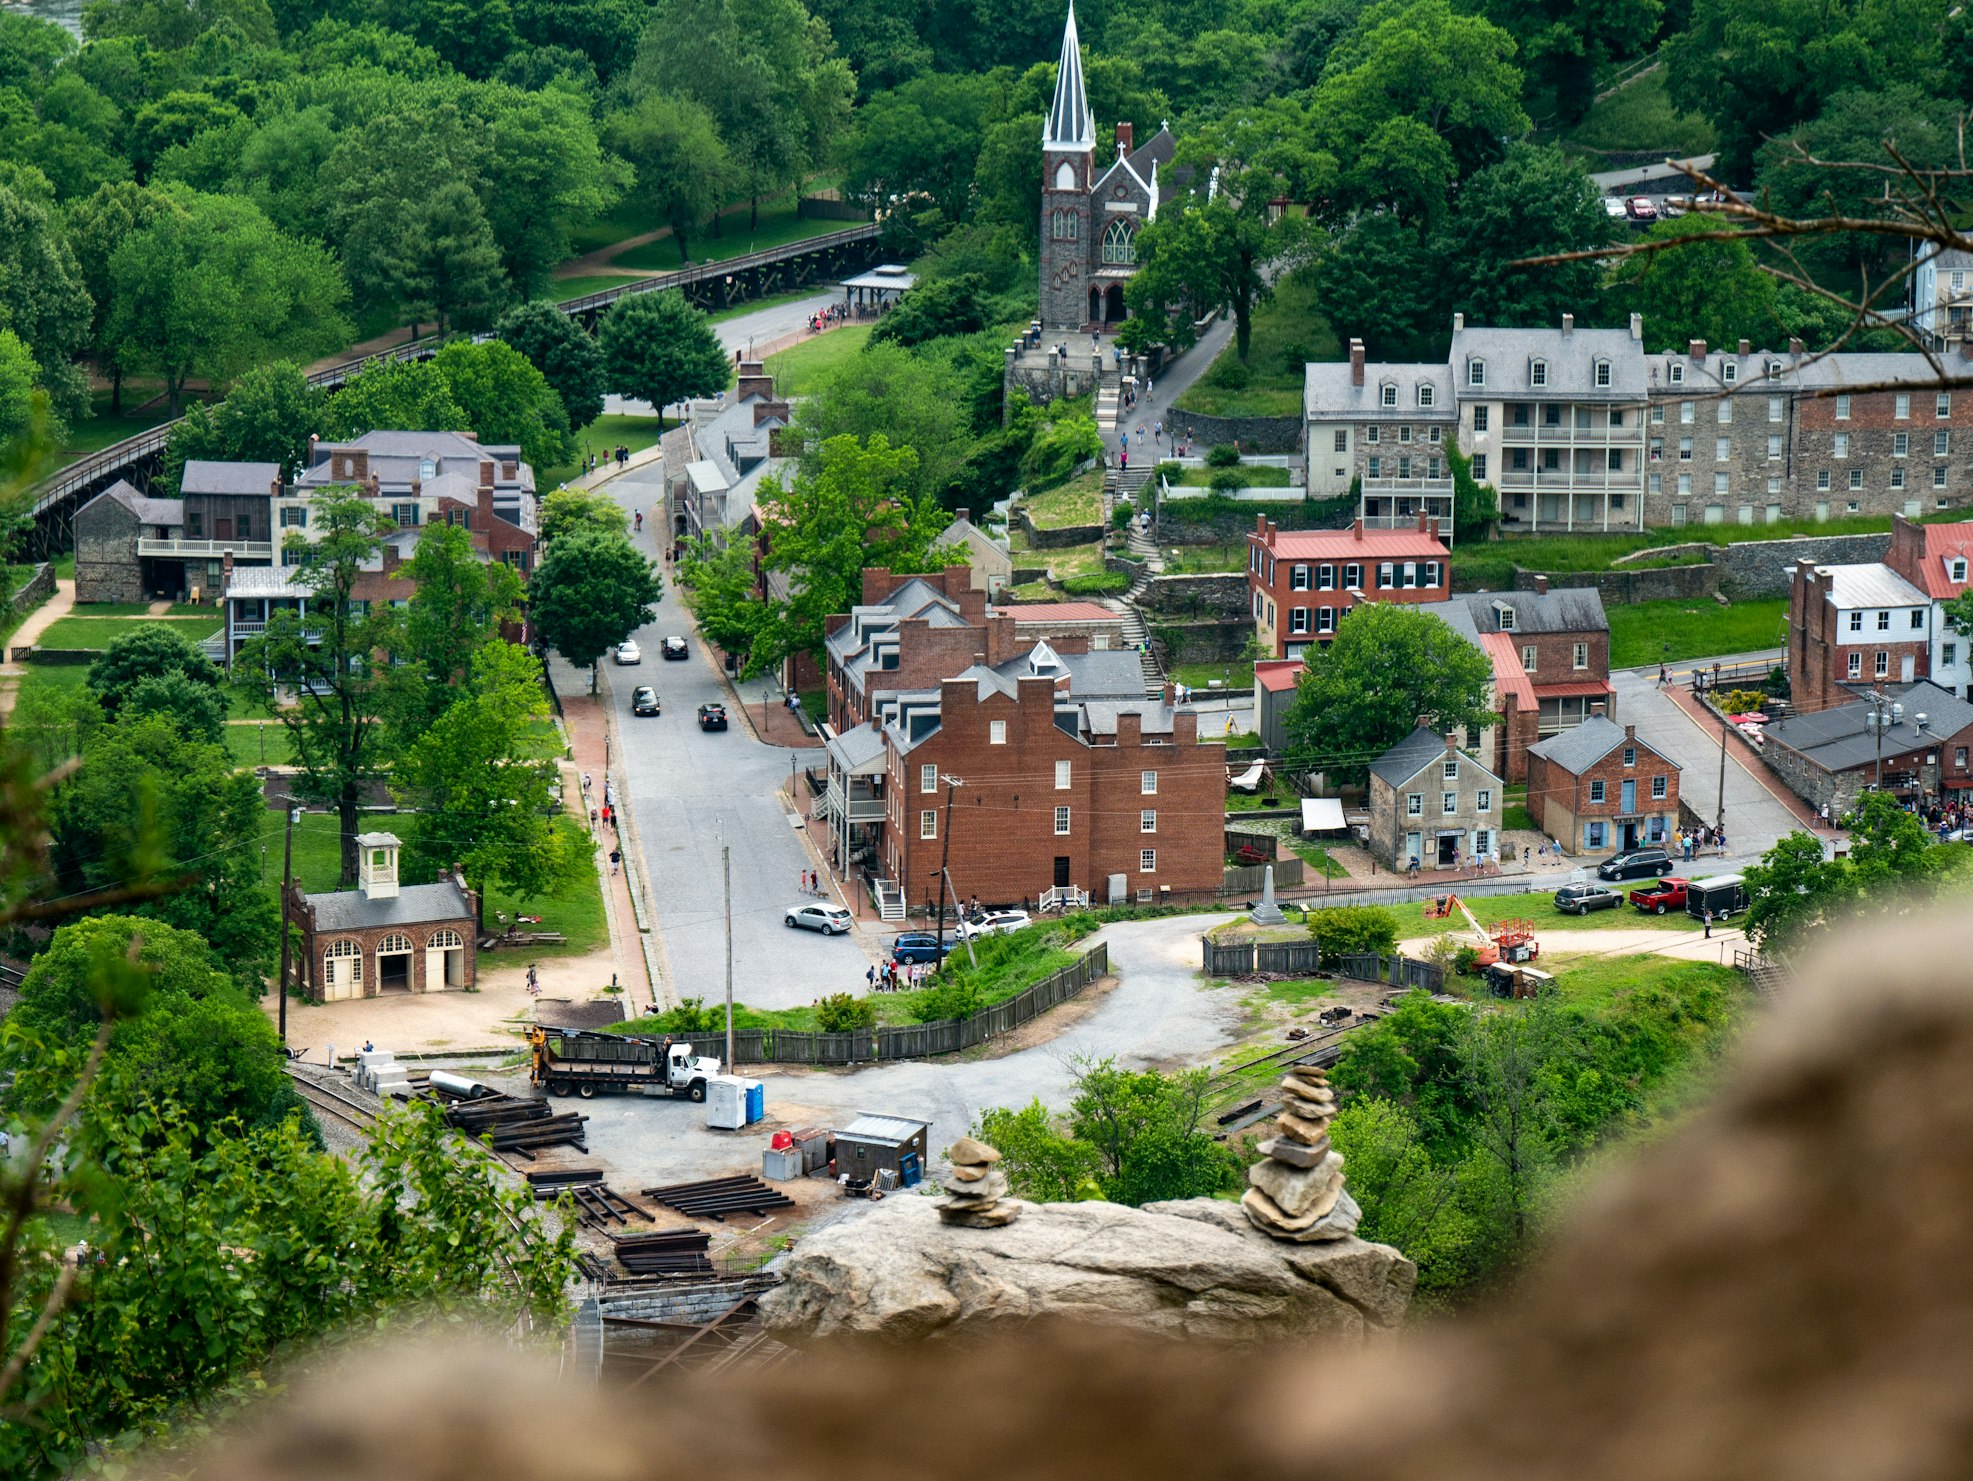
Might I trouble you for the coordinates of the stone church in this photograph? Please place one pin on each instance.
(1089, 223)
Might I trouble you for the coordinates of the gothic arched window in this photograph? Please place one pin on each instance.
(1062, 226)
(1065, 176)
(1119, 243)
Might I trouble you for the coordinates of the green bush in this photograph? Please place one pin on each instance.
(1352, 930)
(1225, 455)
(1227, 481)
(839, 1013)
(1121, 516)
(1466, 961)
(1229, 375)
(1169, 471)
(1061, 447)
(1096, 584)
(1740, 701)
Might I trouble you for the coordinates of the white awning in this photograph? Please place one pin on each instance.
(1322, 814)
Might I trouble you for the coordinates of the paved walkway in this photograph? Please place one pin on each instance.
(32, 627)
(1166, 387)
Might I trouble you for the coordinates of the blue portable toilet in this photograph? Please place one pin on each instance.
(756, 1102)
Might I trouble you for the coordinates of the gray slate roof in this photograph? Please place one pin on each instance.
(150, 511)
(1328, 393)
(1106, 673)
(413, 905)
(1839, 739)
(1571, 361)
(1410, 756)
(206, 476)
(856, 748)
(1575, 751)
(1565, 610)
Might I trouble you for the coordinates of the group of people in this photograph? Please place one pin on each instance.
(605, 816)
(811, 882)
(821, 319)
(898, 976)
(619, 455)
(1689, 843)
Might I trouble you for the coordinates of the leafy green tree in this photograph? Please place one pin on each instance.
(1145, 1128)
(1536, 201)
(1712, 290)
(405, 153)
(96, 227)
(590, 592)
(1475, 507)
(604, 31)
(196, 711)
(1792, 889)
(1366, 689)
(933, 310)
(483, 781)
(723, 591)
(1958, 611)
(1062, 444)
(1201, 258)
(408, 395)
(1042, 1162)
(506, 400)
(1353, 930)
(43, 299)
(267, 417)
(152, 651)
(474, 35)
(209, 292)
(176, 118)
(31, 49)
(906, 398)
(545, 170)
(335, 659)
(448, 267)
(457, 608)
(569, 511)
(1566, 43)
(17, 384)
(563, 351)
(1409, 1199)
(281, 162)
(169, 25)
(658, 348)
(1503, 1057)
(682, 165)
(919, 143)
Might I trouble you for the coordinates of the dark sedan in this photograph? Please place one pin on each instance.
(644, 700)
(673, 647)
(712, 716)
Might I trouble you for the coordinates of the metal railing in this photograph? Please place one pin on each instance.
(700, 272)
(245, 550)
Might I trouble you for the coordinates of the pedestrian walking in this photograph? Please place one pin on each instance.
(1664, 676)
(592, 820)
(585, 781)
(616, 858)
(1709, 925)
(870, 977)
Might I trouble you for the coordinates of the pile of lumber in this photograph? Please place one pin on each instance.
(717, 1197)
(595, 1205)
(669, 1252)
(518, 1124)
(546, 1182)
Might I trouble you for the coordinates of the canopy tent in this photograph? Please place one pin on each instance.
(1322, 815)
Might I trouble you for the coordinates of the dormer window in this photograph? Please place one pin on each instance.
(427, 468)
(1676, 375)
(1537, 372)
(1957, 569)
(1729, 373)
(1774, 370)
(1505, 614)
(1603, 374)
(1425, 395)
(1476, 372)
(1387, 395)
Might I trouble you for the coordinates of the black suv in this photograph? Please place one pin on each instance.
(918, 946)
(1638, 863)
(1580, 899)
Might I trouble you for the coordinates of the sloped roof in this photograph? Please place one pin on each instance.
(1329, 391)
(417, 904)
(1409, 756)
(1581, 748)
(1944, 543)
(148, 510)
(1106, 673)
(1571, 360)
(856, 748)
(1569, 609)
(1510, 676)
(1027, 612)
(1369, 546)
(1278, 675)
(1840, 739)
(208, 476)
(1070, 123)
(1873, 585)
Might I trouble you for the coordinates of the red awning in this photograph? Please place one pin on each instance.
(1595, 688)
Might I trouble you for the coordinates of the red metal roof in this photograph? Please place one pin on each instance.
(1278, 674)
(1509, 677)
(1059, 612)
(1348, 545)
(1942, 543)
(1575, 688)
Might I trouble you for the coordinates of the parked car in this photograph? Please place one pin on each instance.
(644, 700)
(1580, 899)
(1613, 207)
(1657, 899)
(995, 923)
(1673, 205)
(672, 647)
(712, 716)
(830, 920)
(627, 652)
(1641, 208)
(1637, 863)
(918, 946)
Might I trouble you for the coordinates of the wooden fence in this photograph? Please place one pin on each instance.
(1302, 958)
(1246, 879)
(908, 1041)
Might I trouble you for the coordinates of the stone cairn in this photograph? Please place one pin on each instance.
(977, 1188)
(1297, 1193)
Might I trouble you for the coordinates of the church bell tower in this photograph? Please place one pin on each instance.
(1068, 162)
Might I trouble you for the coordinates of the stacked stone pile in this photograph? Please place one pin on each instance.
(1297, 1193)
(977, 1188)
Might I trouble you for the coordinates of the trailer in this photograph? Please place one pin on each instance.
(1725, 895)
(584, 1061)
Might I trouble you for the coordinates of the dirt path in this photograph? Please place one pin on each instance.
(32, 627)
(1687, 945)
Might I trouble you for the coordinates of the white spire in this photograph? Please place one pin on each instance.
(1070, 123)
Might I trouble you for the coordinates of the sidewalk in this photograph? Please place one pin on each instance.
(1749, 760)
(32, 627)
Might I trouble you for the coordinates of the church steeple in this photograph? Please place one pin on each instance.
(1070, 123)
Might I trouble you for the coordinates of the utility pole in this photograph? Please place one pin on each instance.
(726, 877)
(971, 955)
(287, 879)
(1719, 814)
(952, 784)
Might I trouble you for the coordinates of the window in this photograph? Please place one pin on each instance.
(1729, 372)
(1414, 805)
(1372, 434)
(1342, 439)
(1685, 413)
(1657, 414)
(294, 517)
(1449, 803)
(928, 823)
(1147, 821)
(1538, 373)
(1582, 655)
(1677, 375)
(404, 515)
(1375, 468)
(1424, 394)
(1948, 654)
(1685, 449)
(1482, 843)
(1719, 483)
(1479, 467)
(1856, 665)
(928, 779)
(1257, 606)
(1616, 460)
(1386, 574)
(996, 732)
(1147, 861)
(1941, 444)
(1480, 419)
(1528, 656)
(1353, 577)
(1942, 406)
(1722, 449)
(1297, 621)
(1596, 791)
(1777, 408)
(1483, 800)
(1685, 483)
(1774, 448)
(1404, 433)
(195, 525)
(1917, 618)
(1062, 224)
(1897, 478)
(1476, 372)
(1883, 622)
(1660, 788)
(1856, 622)
(1061, 822)
(1147, 783)
(1856, 482)
(1325, 619)
(1593, 835)
(1956, 569)
(1387, 395)
(1725, 404)
(1657, 483)
(1901, 407)
(1842, 408)
(1450, 771)
(1431, 573)
(1883, 663)
(1630, 755)
(1298, 578)
(1822, 481)
(1325, 578)
(1061, 776)
(1517, 459)
(1839, 446)
(1119, 243)
(1410, 575)
(1602, 372)
(1900, 444)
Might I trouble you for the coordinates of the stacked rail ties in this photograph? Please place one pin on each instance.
(517, 1124)
(595, 1205)
(668, 1252)
(717, 1197)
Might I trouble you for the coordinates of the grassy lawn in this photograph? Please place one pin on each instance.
(1077, 502)
(1316, 857)
(606, 432)
(1237, 674)
(1239, 802)
(100, 632)
(1597, 981)
(1256, 475)
(141, 609)
(263, 743)
(1642, 633)
(1289, 331)
(1540, 909)
(1296, 992)
(1515, 817)
(1206, 560)
(1069, 560)
(1641, 116)
(797, 371)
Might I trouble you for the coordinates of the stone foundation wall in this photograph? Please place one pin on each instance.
(1745, 571)
(1222, 596)
(1054, 380)
(1203, 642)
(1043, 538)
(1254, 434)
(1212, 521)
(36, 589)
(1660, 584)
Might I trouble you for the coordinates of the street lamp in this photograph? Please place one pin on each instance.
(1882, 715)
(952, 785)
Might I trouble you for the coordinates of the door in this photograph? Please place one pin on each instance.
(1448, 850)
(1061, 871)
(1907, 668)
(1630, 830)
(222, 527)
(1411, 842)
(1629, 802)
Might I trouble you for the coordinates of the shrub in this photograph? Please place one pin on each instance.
(1121, 516)
(1226, 481)
(1351, 930)
(1097, 584)
(1229, 375)
(1225, 455)
(1062, 446)
(1740, 701)
(1169, 471)
(839, 1013)
(1466, 961)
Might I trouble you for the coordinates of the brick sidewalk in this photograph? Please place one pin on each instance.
(776, 726)
(1742, 750)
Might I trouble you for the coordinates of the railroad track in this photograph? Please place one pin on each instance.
(1293, 1053)
(323, 1098)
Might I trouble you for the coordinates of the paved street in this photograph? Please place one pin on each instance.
(688, 789)
(761, 327)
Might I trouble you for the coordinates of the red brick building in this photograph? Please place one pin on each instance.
(1851, 627)
(1301, 582)
(1598, 789)
(1938, 560)
(382, 937)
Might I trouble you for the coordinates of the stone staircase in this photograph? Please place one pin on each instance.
(1109, 399)
(1117, 482)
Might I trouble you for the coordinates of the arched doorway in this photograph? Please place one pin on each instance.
(445, 961)
(342, 971)
(1095, 305)
(1114, 311)
(394, 963)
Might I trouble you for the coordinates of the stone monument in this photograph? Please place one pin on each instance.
(1267, 913)
(978, 1188)
(1297, 1192)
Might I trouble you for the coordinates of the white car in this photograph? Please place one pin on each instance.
(1613, 207)
(627, 652)
(996, 923)
(830, 920)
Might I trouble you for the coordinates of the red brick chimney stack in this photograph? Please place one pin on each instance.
(1126, 134)
(1356, 362)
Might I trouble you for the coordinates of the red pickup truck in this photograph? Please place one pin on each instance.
(1660, 896)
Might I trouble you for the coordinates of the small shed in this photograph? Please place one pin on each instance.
(872, 1143)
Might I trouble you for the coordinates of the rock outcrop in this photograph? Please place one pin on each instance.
(1195, 1269)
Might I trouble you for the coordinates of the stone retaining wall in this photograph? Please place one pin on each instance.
(1745, 571)
(1040, 537)
(1662, 584)
(1212, 521)
(1254, 434)
(36, 589)
(1221, 595)
(1218, 641)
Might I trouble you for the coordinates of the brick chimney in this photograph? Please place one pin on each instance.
(1746, 347)
(752, 380)
(1126, 134)
(1421, 522)
(767, 409)
(1541, 586)
(274, 488)
(1432, 529)
(1130, 728)
(1568, 323)
(1696, 348)
(1630, 732)
(1356, 362)
(1356, 527)
(225, 570)
(486, 473)
(1597, 710)
(1794, 345)
(376, 486)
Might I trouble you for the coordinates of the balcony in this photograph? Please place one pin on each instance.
(1631, 434)
(1562, 481)
(244, 551)
(862, 805)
